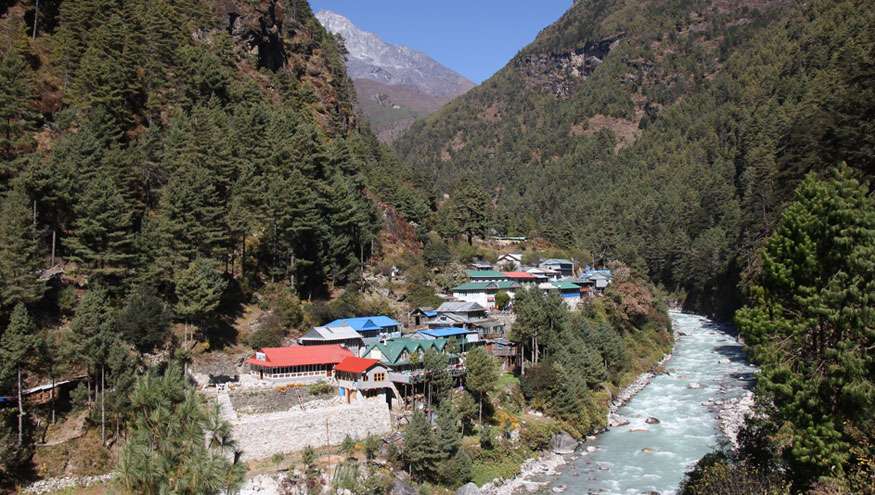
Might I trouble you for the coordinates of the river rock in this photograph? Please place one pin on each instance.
(590, 449)
(559, 488)
(694, 385)
(647, 450)
(651, 421)
(468, 489)
(563, 443)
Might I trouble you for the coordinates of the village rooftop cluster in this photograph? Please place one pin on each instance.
(371, 356)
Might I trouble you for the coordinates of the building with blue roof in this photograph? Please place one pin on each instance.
(369, 326)
(463, 336)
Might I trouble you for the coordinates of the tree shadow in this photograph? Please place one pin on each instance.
(220, 330)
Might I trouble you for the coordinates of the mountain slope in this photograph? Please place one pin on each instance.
(395, 84)
(666, 133)
(220, 132)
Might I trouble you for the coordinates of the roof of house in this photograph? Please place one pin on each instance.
(480, 264)
(354, 364)
(299, 355)
(594, 274)
(520, 276)
(393, 349)
(430, 312)
(460, 307)
(557, 261)
(446, 332)
(486, 285)
(566, 285)
(331, 333)
(364, 323)
(484, 274)
(513, 256)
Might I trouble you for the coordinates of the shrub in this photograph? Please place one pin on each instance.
(266, 336)
(320, 388)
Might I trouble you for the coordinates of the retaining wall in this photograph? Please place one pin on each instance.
(262, 435)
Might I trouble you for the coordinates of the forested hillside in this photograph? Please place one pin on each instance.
(161, 162)
(139, 137)
(664, 133)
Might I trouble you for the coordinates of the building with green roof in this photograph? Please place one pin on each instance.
(396, 353)
(485, 275)
(483, 293)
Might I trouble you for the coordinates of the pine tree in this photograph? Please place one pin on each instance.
(199, 290)
(17, 350)
(17, 117)
(449, 429)
(191, 221)
(298, 231)
(420, 451)
(471, 211)
(809, 325)
(105, 76)
(102, 236)
(20, 259)
(482, 375)
(166, 451)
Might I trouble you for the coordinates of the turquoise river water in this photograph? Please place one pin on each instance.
(707, 366)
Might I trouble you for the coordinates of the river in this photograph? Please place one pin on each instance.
(707, 366)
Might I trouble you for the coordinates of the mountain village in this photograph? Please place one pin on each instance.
(364, 375)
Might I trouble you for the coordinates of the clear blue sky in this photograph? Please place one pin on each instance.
(472, 37)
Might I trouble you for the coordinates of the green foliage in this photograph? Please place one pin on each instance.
(502, 300)
(482, 375)
(199, 290)
(145, 319)
(436, 253)
(320, 388)
(420, 453)
(14, 458)
(17, 117)
(808, 325)
(166, 452)
(92, 331)
(347, 447)
(372, 447)
(18, 344)
(20, 254)
(266, 336)
(677, 153)
(716, 474)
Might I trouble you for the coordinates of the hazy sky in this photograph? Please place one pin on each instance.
(472, 37)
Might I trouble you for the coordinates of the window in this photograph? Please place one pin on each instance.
(365, 377)
(379, 377)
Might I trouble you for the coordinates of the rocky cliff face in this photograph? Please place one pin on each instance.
(395, 84)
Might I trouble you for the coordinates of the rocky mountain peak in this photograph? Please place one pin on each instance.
(374, 59)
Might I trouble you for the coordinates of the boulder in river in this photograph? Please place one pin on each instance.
(559, 488)
(647, 450)
(651, 421)
(563, 443)
(468, 489)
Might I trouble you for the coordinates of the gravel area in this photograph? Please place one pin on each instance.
(260, 401)
(68, 482)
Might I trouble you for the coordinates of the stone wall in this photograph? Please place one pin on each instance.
(262, 435)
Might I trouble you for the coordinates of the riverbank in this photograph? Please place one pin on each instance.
(535, 472)
(672, 419)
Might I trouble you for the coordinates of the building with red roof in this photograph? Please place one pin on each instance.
(360, 377)
(297, 361)
(521, 277)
